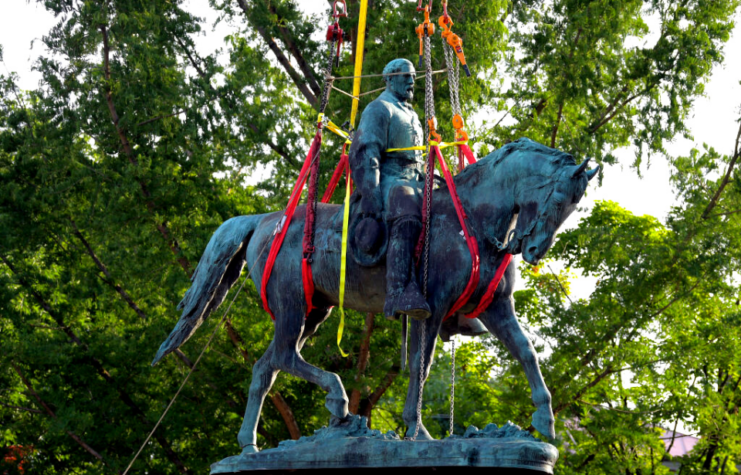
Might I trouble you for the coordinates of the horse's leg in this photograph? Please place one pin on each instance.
(289, 329)
(315, 318)
(263, 377)
(501, 321)
(432, 327)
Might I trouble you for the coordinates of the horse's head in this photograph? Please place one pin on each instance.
(544, 200)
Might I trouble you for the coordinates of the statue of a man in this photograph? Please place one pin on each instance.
(390, 185)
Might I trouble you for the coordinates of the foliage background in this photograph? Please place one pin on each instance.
(134, 147)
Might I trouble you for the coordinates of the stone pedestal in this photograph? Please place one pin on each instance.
(508, 449)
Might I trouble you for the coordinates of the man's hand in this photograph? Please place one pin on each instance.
(371, 205)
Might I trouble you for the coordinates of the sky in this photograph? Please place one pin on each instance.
(713, 120)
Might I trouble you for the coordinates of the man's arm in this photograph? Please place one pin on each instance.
(369, 144)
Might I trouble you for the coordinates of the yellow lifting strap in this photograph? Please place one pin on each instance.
(334, 128)
(440, 145)
(359, 47)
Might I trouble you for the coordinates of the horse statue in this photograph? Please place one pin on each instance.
(516, 198)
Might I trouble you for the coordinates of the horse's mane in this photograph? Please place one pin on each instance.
(555, 158)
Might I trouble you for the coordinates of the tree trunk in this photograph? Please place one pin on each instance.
(362, 362)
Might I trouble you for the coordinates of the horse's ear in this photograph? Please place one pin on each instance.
(581, 168)
(592, 173)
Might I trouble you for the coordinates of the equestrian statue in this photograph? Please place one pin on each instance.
(515, 198)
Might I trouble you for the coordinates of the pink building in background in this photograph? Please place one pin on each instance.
(682, 443)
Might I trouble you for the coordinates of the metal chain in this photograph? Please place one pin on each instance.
(429, 112)
(328, 79)
(453, 68)
(421, 382)
(452, 384)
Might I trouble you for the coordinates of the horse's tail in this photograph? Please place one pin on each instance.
(219, 268)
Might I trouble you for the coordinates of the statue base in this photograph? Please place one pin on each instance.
(350, 444)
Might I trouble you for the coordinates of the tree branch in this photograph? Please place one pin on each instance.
(630, 99)
(99, 368)
(608, 371)
(108, 278)
(21, 408)
(725, 213)
(726, 178)
(297, 79)
(274, 147)
(74, 436)
(377, 394)
(159, 117)
(554, 133)
(302, 64)
(129, 152)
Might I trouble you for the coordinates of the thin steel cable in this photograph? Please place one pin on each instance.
(192, 369)
(382, 75)
(452, 384)
(429, 112)
(278, 226)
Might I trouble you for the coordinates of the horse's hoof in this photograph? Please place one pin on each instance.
(249, 450)
(544, 423)
(335, 421)
(337, 407)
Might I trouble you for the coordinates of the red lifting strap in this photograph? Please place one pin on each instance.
(489, 295)
(467, 153)
(309, 227)
(473, 247)
(341, 166)
(286, 219)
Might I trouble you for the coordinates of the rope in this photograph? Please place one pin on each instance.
(382, 75)
(187, 376)
(357, 96)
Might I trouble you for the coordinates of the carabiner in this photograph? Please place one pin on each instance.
(337, 15)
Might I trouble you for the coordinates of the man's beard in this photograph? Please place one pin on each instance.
(408, 95)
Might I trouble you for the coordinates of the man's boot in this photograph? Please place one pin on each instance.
(458, 324)
(402, 293)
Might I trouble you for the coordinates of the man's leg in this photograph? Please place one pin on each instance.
(402, 292)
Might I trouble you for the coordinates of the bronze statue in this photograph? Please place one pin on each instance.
(518, 195)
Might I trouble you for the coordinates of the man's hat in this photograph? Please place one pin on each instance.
(369, 240)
